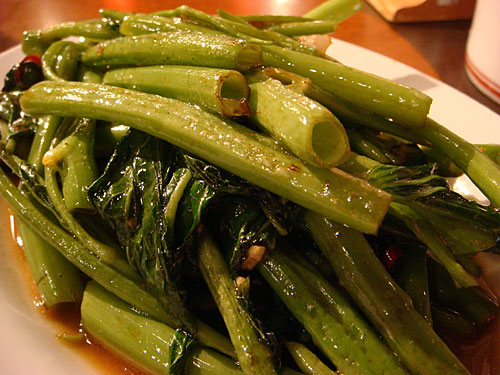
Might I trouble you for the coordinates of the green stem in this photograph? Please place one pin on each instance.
(336, 10)
(78, 168)
(140, 24)
(492, 150)
(47, 126)
(105, 275)
(72, 250)
(363, 144)
(56, 279)
(254, 356)
(413, 279)
(107, 254)
(421, 227)
(226, 144)
(231, 17)
(305, 127)
(217, 90)
(36, 41)
(240, 30)
(481, 169)
(152, 345)
(86, 74)
(306, 360)
(446, 167)
(272, 19)
(114, 15)
(184, 48)
(180, 181)
(304, 28)
(336, 328)
(60, 61)
(388, 308)
(208, 362)
(374, 94)
(213, 339)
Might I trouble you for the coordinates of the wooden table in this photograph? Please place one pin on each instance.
(435, 48)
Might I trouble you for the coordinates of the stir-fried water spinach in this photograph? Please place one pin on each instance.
(218, 242)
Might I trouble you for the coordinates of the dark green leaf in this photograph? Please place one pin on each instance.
(453, 205)
(13, 121)
(132, 195)
(24, 75)
(30, 181)
(419, 185)
(238, 224)
(408, 182)
(180, 347)
(154, 196)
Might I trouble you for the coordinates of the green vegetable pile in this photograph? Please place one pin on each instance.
(221, 198)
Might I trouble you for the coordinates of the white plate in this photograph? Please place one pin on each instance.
(28, 344)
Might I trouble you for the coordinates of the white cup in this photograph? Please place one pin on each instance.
(482, 57)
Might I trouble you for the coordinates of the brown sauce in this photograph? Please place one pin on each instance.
(480, 355)
(67, 317)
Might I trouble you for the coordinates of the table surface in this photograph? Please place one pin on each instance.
(435, 48)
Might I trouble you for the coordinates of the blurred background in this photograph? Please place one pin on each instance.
(409, 32)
